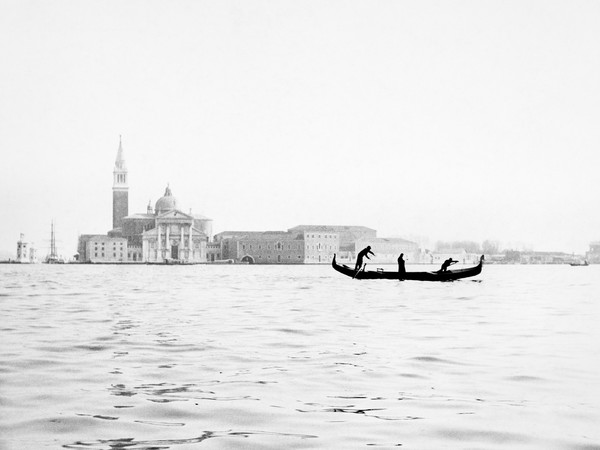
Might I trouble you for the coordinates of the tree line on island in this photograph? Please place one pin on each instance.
(496, 253)
(487, 247)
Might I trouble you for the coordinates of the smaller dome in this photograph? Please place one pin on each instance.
(166, 203)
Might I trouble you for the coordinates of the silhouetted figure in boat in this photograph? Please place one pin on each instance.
(447, 264)
(364, 253)
(401, 267)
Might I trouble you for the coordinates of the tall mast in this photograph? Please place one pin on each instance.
(52, 241)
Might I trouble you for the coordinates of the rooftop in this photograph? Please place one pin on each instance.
(258, 235)
(331, 228)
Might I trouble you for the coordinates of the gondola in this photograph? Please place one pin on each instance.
(380, 274)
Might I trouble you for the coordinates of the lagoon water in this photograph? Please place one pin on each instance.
(283, 357)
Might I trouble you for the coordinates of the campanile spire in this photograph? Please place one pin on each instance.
(120, 160)
(120, 188)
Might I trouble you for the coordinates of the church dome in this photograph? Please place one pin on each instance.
(166, 203)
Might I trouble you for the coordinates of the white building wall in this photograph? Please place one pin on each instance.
(23, 252)
(106, 249)
(26, 253)
(320, 246)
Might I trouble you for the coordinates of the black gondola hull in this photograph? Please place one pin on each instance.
(449, 275)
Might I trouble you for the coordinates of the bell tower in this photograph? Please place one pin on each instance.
(120, 189)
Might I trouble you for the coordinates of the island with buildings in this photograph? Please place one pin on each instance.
(166, 234)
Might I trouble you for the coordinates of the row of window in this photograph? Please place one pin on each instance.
(102, 243)
(278, 257)
(321, 247)
(278, 246)
(114, 254)
(154, 244)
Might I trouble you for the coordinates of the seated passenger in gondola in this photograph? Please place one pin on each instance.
(401, 266)
(447, 264)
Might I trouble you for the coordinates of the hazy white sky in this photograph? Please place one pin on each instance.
(448, 119)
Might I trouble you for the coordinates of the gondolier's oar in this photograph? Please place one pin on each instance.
(359, 270)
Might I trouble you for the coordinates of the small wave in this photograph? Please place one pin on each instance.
(294, 331)
(497, 437)
(367, 412)
(98, 416)
(161, 443)
(348, 396)
(161, 424)
(354, 410)
(413, 375)
(384, 445)
(433, 359)
(93, 348)
(526, 378)
(121, 390)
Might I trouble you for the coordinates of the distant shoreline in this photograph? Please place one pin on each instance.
(128, 263)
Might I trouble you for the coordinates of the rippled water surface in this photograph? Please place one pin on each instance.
(282, 357)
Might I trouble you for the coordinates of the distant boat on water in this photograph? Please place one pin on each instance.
(579, 263)
(52, 257)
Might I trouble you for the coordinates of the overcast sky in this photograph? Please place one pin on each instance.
(445, 119)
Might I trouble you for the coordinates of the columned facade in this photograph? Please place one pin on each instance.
(174, 238)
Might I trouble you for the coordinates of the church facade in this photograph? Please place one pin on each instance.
(162, 234)
(176, 236)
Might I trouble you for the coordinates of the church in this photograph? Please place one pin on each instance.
(162, 234)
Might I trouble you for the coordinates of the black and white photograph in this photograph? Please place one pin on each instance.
(299, 224)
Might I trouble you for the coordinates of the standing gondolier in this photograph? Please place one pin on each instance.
(364, 253)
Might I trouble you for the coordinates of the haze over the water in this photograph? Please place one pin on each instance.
(451, 120)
